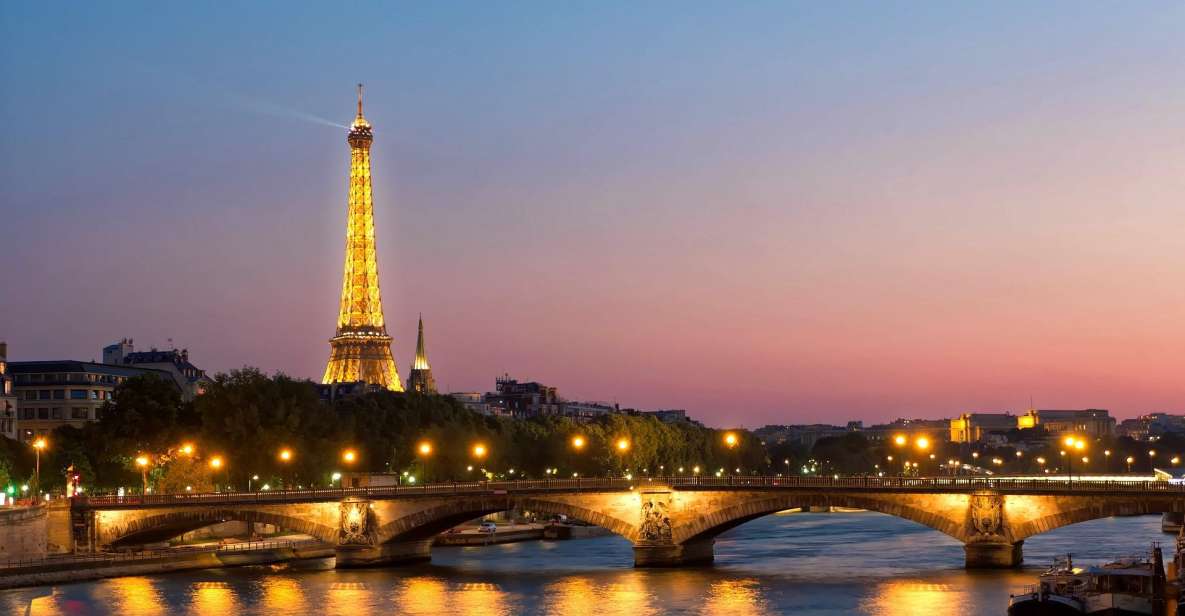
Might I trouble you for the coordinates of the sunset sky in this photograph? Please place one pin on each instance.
(767, 212)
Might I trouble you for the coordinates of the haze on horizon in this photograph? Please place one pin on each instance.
(775, 212)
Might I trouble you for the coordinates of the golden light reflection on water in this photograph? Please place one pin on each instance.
(578, 595)
(727, 597)
(912, 598)
(477, 598)
(283, 595)
(213, 599)
(348, 599)
(136, 596)
(422, 596)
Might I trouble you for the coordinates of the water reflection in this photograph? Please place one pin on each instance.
(912, 597)
(728, 597)
(422, 595)
(213, 599)
(136, 596)
(282, 594)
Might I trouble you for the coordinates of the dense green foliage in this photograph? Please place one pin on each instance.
(246, 418)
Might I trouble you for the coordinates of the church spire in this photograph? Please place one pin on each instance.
(420, 378)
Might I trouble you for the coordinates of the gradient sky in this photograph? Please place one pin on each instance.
(768, 212)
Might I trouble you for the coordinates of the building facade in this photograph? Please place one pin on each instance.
(191, 380)
(8, 397)
(51, 394)
(975, 427)
(1087, 422)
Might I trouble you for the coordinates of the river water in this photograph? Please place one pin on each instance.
(803, 564)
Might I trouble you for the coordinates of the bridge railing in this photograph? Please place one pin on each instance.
(954, 484)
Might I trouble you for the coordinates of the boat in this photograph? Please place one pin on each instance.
(1133, 586)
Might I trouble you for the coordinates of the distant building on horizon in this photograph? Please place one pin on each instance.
(975, 427)
(1087, 422)
(191, 380)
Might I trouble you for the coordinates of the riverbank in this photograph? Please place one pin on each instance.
(66, 569)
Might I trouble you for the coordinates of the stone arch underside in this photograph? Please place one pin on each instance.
(1093, 508)
(710, 525)
(432, 521)
(160, 527)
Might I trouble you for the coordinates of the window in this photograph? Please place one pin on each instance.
(27, 413)
(95, 394)
(98, 412)
(78, 394)
(59, 394)
(42, 413)
(55, 412)
(31, 395)
(43, 394)
(80, 413)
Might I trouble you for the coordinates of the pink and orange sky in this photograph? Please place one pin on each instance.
(774, 213)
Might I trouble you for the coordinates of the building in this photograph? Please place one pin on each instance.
(934, 429)
(1088, 422)
(975, 427)
(361, 348)
(522, 400)
(1152, 426)
(52, 394)
(805, 435)
(420, 378)
(8, 398)
(585, 411)
(191, 380)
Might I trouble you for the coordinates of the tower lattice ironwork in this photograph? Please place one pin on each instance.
(361, 350)
(420, 378)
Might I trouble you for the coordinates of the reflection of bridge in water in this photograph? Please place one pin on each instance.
(671, 521)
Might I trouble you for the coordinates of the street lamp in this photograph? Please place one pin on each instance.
(479, 451)
(38, 445)
(922, 443)
(285, 456)
(349, 456)
(142, 461)
(216, 464)
(424, 449)
(186, 449)
(730, 439)
(623, 445)
(1129, 461)
(577, 442)
(900, 440)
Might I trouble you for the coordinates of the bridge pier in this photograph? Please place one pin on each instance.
(676, 555)
(400, 553)
(990, 555)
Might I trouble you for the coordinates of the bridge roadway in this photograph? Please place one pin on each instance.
(670, 521)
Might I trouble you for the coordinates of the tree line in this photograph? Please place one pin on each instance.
(246, 419)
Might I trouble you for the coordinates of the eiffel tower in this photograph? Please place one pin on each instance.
(361, 350)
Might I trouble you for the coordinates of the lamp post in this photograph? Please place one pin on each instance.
(216, 464)
(38, 445)
(142, 461)
(423, 451)
(285, 456)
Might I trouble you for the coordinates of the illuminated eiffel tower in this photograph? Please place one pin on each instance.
(361, 350)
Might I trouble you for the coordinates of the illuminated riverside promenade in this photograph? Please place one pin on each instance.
(670, 521)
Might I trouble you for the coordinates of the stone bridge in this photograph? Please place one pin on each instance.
(670, 521)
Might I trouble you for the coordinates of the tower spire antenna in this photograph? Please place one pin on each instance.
(360, 100)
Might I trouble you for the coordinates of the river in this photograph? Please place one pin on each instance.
(803, 564)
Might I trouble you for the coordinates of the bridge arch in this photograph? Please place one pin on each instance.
(1085, 509)
(432, 521)
(165, 525)
(724, 519)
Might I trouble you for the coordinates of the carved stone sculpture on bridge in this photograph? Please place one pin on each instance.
(355, 528)
(655, 526)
